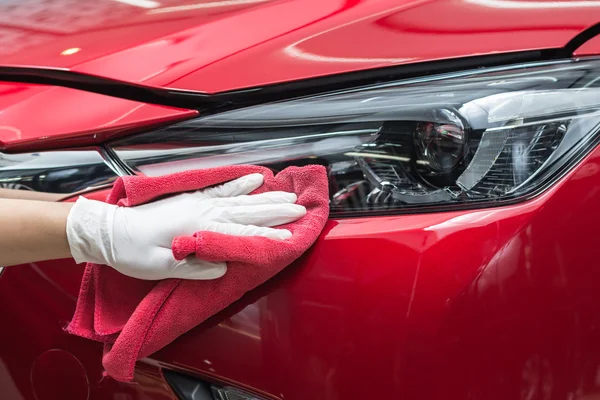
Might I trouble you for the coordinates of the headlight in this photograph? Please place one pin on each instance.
(482, 138)
(57, 172)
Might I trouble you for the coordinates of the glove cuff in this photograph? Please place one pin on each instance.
(90, 231)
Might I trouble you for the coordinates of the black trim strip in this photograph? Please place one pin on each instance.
(211, 103)
(106, 86)
(312, 86)
(113, 162)
(397, 72)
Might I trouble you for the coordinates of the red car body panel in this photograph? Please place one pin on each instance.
(222, 45)
(497, 303)
(483, 304)
(67, 117)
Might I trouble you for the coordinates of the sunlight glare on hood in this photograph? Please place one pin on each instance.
(141, 3)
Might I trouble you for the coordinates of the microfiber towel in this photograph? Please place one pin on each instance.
(134, 318)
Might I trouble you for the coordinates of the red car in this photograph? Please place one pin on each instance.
(460, 137)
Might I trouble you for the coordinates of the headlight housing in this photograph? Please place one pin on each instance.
(477, 138)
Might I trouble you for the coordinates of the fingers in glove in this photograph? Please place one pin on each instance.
(249, 230)
(256, 199)
(264, 215)
(240, 186)
(194, 268)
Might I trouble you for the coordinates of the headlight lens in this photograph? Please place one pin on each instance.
(55, 172)
(485, 137)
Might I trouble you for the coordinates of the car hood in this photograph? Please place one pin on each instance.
(220, 45)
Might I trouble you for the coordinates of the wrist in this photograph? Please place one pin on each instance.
(90, 231)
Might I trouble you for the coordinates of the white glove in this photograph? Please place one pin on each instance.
(136, 241)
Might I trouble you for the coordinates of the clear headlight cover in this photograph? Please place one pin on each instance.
(482, 138)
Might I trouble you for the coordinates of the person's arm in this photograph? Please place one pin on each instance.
(136, 241)
(32, 231)
(30, 195)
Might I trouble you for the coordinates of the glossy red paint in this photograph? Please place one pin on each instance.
(483, 304)
(589, 48)
(196, 45)
(38, 117)
(365, 34)
(166, 45)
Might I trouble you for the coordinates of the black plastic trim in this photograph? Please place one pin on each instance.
(222, 101)
(186, 387)
(306, 87)
(113, 161)
(106, 86)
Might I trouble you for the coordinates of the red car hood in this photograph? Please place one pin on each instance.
(218, 45)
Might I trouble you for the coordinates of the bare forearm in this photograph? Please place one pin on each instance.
(30, 195)
(32, 231)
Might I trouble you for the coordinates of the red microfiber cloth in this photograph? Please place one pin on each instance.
(135, 318)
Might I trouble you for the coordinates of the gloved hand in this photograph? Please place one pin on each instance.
(136, 241)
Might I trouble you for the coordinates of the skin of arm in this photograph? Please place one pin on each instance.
(32, 230)
(30, 195)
